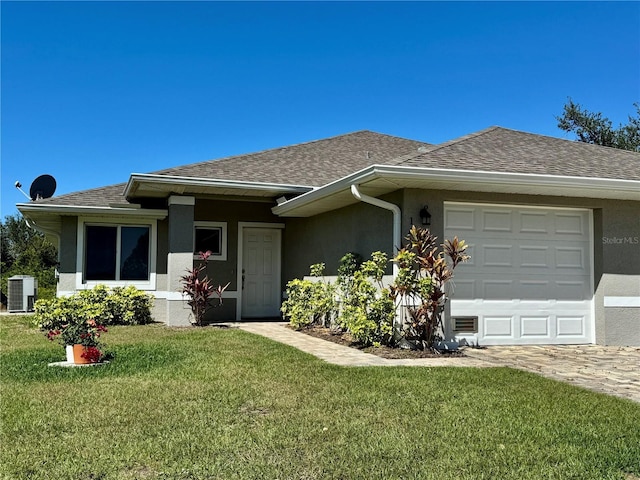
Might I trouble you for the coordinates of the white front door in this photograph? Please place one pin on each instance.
(261, 272)
(529, 277)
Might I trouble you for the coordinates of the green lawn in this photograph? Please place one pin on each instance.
(224, 404)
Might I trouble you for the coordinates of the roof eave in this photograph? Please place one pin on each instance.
(74, 210)
(164, 185)
(398, 177)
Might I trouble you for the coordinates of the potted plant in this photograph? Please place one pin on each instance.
(81, 340)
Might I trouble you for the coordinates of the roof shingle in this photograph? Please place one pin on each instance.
(498, 149)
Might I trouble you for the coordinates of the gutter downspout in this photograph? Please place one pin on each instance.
(397, 242)
(397, 218)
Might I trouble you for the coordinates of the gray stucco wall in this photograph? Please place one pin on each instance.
(359, 228)
(68, 254)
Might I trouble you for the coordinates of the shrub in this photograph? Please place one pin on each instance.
(367, 309)
(118, 306)
(298, 306)
(309, 302)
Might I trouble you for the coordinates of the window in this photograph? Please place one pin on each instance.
(117, 253)
(211, 236)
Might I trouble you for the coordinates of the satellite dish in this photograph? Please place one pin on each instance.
(42, 187)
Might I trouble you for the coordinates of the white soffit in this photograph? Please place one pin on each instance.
(379, 180)
(151, 185)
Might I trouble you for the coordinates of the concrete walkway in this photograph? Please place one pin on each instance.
(610, 370)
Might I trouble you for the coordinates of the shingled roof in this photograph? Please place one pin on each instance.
(307, 164)
(498, 149)
(317, 163)
(310, 164)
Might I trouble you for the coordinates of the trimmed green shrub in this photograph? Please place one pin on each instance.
(116, 306)
(298, 306)
(367, 309)
(310, 302)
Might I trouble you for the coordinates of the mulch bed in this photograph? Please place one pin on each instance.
(381, 351)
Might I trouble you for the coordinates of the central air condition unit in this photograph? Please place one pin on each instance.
(22, 291)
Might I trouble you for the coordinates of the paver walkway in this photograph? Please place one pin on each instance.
(610, 370)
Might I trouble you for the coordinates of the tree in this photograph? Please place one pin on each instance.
(25, 251)
(594, 128)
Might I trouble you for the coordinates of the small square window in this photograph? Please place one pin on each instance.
(211, 236)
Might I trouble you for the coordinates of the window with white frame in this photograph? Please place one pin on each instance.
(212, 237)
(116, 252)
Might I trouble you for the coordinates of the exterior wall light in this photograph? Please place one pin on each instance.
(425, 216)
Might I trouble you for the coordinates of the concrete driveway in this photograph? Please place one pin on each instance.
(610, 370)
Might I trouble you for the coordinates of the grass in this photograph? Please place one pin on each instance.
(223, 404)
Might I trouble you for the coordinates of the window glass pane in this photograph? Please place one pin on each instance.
(134, 253)
(100, 253)
(209, 238)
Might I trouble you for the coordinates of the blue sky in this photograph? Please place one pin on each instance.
(93, 91)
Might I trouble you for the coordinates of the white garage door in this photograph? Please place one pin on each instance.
(529, 279)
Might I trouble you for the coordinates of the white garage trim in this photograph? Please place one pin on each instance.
(530, 279)
(623, 302)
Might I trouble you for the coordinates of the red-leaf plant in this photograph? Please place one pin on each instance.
(420, 284)
(199, 291)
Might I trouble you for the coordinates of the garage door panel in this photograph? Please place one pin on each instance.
(529, 280)
(462, 219)
(497, 221)
(536, 223)
(535, 326)
(498, 326)
(570, 326)
(534, 256)
(497, 256)
(571, 224)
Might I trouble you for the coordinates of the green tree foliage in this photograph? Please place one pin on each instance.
(593, 128)
(26, 251)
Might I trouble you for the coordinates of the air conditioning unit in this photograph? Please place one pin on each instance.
(22, 292)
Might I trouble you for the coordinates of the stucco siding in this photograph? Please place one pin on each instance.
(67, 256)
(359, 228)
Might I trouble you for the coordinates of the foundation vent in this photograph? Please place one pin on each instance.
(465, 324)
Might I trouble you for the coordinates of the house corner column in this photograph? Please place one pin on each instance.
(180, 256)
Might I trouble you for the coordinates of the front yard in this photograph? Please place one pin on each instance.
(214, 403)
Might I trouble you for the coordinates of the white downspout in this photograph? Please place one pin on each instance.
(397, 219)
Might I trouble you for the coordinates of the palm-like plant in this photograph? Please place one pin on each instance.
(199, 291)
(420, 283)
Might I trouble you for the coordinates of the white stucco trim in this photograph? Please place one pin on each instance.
(177, 296)
(181, 200)
(624, 302)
